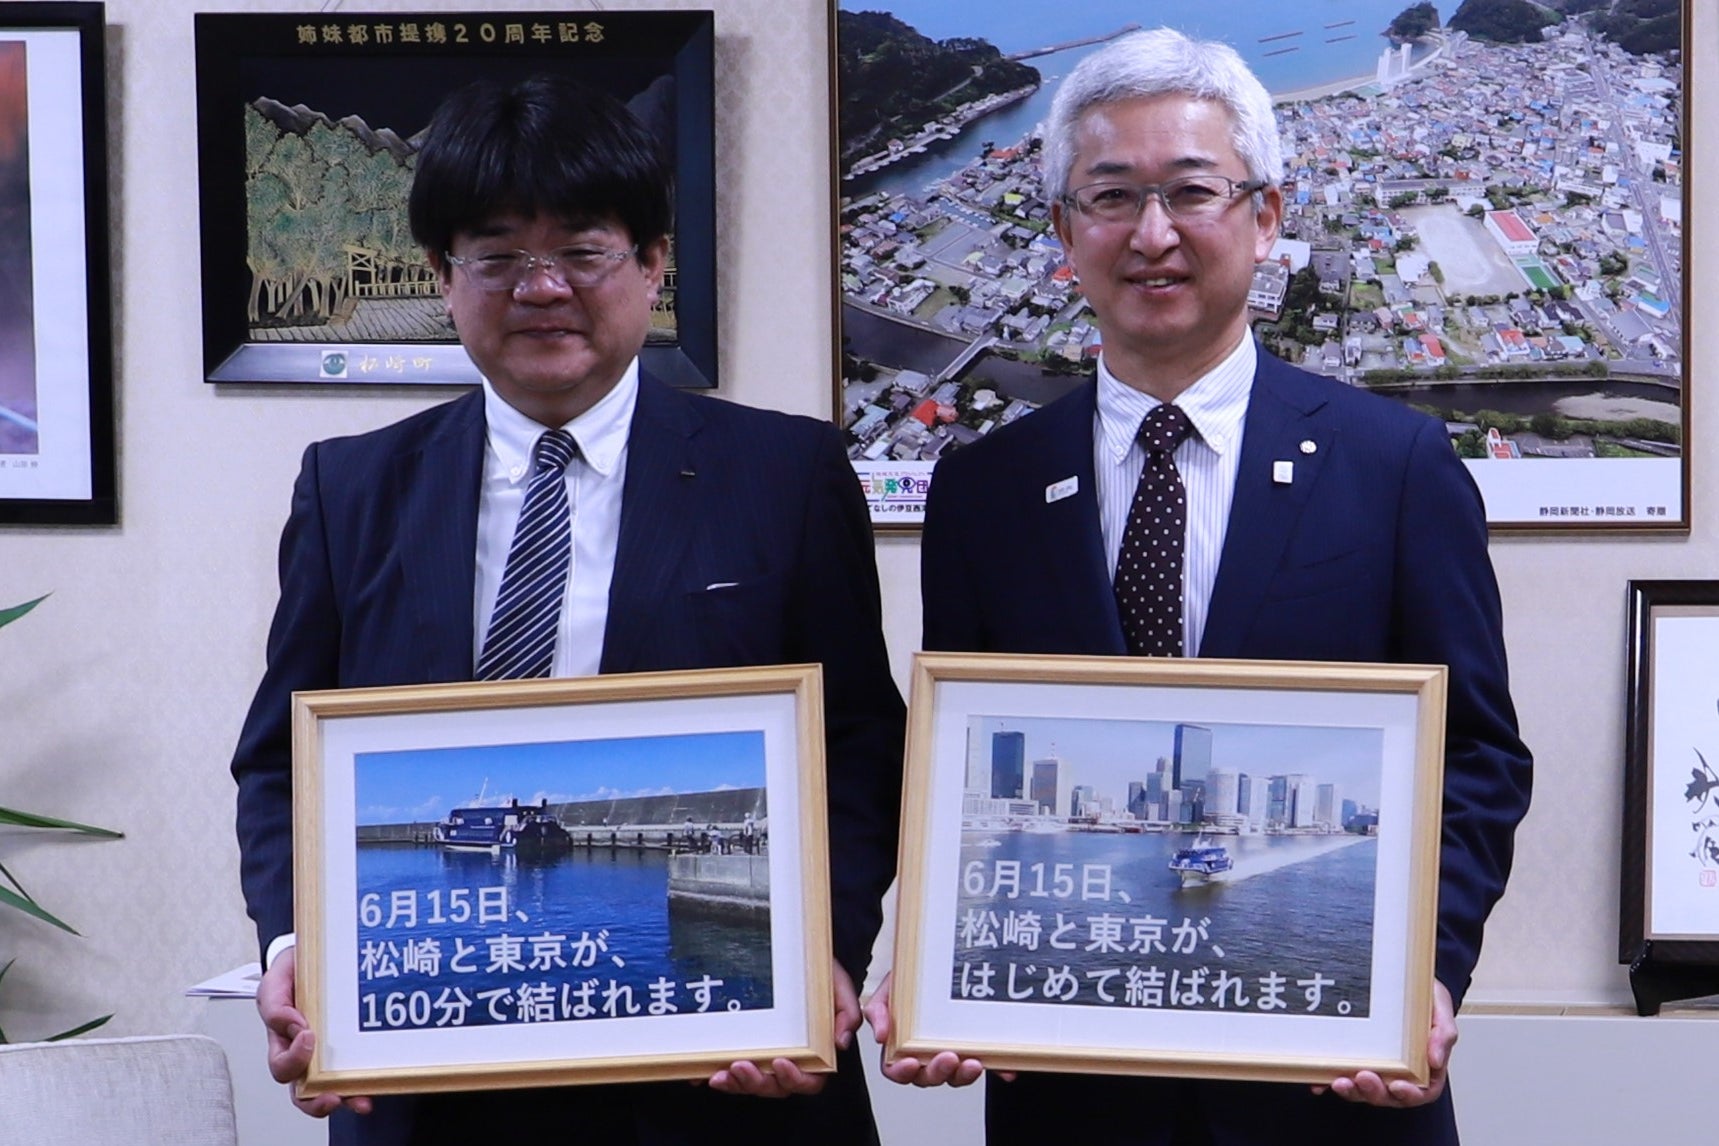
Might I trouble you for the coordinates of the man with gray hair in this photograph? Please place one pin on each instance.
(1203, 498)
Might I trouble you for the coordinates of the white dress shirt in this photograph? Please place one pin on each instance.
(1207, 460)
(594, 484)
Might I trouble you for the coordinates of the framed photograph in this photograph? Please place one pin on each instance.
(1483, 219)
(56, 333)
(1206, 868)
(1670, 892)
(562, 881)
(308, 127)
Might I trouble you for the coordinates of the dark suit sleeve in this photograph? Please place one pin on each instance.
(1447, 611)
(836, 618)
(948, 601)
(303, 653)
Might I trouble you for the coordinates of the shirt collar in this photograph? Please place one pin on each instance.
(601, 432)
(1216, 403)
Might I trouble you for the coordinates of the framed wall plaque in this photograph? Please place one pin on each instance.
(307, 130)
(1482, 221)
(1669, 902)
(56, 340)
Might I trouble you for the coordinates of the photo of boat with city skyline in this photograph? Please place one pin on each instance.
(1172, 865)
(1483, 218)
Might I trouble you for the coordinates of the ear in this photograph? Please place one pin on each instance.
(653, 261)
(1061, 223)
(444, 270)
(1267, 221)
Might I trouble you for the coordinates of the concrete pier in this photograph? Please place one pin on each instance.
(727, 885)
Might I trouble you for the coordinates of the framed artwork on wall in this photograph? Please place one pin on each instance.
(608, 897)
(308, 126)
(1668, 929)
(1102, 858)
(56, 327)
(1482, 220)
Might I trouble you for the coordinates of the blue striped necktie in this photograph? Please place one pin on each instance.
(521, 638)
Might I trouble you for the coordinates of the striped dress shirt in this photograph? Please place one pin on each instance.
(1216, 404)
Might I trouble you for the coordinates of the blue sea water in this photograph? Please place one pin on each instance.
(473, 939)
(1337, 40)
(1108, 911)
(1322, 54)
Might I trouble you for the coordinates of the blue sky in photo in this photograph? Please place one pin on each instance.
(425, 784)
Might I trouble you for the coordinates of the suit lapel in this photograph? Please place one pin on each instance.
(656, 510)
(437, 487)
(1283, 417)
(1070, 537)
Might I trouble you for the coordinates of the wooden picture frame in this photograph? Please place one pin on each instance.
(56, 326)
(1668, 922)
(1491, 232)
(1055, 807)
(345, 91)
(618, 905)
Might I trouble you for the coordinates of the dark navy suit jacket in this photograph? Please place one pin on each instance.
(377, 581)
(1375, 551)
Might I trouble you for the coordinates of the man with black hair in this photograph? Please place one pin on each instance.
(700, 534)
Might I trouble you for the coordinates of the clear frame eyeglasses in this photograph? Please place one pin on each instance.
(1193, 199)
(576, 266)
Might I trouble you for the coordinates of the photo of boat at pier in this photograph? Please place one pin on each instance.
(1154, 864)
(1483, 221)
(551, 895)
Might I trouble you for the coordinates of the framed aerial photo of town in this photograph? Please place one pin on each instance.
(308, 129)
(1206, 868)
(1484, 204)
(56, 340)
(1670, 893)
(522, 883)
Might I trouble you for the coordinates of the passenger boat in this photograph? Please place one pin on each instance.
(523, 830)
(1202, 863)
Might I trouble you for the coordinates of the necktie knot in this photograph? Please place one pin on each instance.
(555, 449)
(1164, 428)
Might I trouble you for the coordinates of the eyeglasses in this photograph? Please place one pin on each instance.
(1194, 199)
(569, 266)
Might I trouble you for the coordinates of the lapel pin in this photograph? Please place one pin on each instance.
(1057, 490)
(1283, 472)
(1308, 446)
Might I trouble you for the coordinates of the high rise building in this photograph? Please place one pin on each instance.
(1328, 806)
(1222, 793)
(1052, 786)
(1193, 754)
(1277, 800)
(1008, 764)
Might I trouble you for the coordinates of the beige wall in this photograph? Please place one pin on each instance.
(120, 697)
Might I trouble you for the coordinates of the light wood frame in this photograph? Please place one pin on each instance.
(781, 705)
(951, 693)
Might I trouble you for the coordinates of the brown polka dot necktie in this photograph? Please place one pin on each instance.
(1149, 563)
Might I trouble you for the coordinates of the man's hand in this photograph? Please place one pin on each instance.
(1365, 1086)
(946, 1068)
(291, 1040)
(784, 1077)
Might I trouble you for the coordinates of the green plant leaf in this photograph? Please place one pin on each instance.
(30, 907)
(19, 819)
(7, 616)
(84, 1028)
